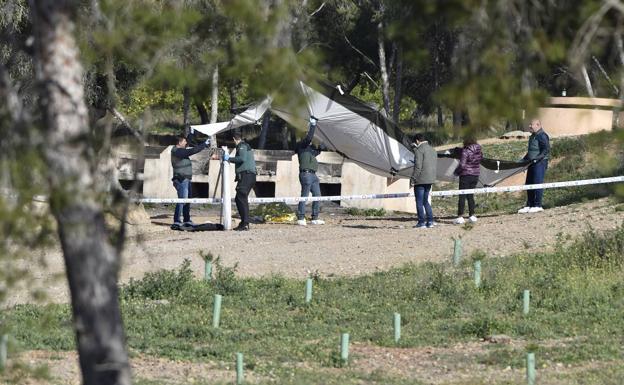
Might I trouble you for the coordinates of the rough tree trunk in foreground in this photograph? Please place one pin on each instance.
(92, 263)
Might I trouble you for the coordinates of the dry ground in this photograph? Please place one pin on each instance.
(344, 246)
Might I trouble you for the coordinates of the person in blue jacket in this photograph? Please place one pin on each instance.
(538, 154)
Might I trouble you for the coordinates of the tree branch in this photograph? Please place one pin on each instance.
(360, 52)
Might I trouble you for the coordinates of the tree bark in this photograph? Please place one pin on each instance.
(92, 263)
(385, 83)
(186, 106)
(214, 103)
(264, 131)
(396, 110)
(203, 112)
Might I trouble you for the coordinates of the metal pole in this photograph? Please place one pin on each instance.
(308, 290)
(239, 368)
(226, 196)
(216, 311)
(344, 347)
(525, 302)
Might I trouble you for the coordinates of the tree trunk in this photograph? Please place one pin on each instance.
(232, 91)
(92, 263)
(385, 83)
(440, 117)
(203, 112)
(588, 85)
(186, 106)
(214, 102)
(264, 131)
(396, 110)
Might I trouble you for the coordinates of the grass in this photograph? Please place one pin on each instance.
(577, 296)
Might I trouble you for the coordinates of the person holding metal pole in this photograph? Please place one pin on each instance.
(308, 165)
(245, 169)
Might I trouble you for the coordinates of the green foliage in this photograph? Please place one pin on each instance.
(365, 212)
(162, 284)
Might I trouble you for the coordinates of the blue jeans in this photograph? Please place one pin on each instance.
(183, 187)
(422, 204)
(535, 175)
(309, 182)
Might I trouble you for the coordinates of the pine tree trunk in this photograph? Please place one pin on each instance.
(186, 106)
(92, 263)
(264, 131)
(396, 110)
(202, 112)
(385, 82)
(214, 102)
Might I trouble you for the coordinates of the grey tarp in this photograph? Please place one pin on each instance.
(362, 134)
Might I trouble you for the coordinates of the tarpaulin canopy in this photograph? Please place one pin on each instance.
(361, 133)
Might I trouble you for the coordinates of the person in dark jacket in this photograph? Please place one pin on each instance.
(468, 171)
(538, 153)
(182, 176)
(423, 176)
(245, 176)
(308, 165)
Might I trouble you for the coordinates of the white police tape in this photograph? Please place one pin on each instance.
(484, 190)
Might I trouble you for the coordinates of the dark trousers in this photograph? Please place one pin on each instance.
(535, 175)
(423, 208)
(183, 188)
(309, 183)
(246, 181)
(467, 182)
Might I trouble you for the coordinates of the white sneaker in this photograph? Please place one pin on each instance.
(524, 210)
(459, 221)
(318, 222)
(472, 219)
(536, 209)
(302, 222)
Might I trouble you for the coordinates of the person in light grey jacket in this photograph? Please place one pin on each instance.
(423, 176)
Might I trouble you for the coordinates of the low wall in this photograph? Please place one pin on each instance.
(568, 116)
(352, 179)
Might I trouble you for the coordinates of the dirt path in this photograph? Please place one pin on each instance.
(345, 246)
(456, 364)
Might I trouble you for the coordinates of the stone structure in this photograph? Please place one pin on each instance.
(570, 116)
(278, 176)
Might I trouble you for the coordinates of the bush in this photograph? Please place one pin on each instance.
(162, 284)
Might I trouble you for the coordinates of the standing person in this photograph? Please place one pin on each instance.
(468, 171)
(245, 176)
(538, 153)
(423, 176)
(182, 175)
(308, 165)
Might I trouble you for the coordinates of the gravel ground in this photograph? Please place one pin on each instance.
(345, 246)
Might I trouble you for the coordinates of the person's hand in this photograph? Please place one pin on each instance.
(447, 152)
(313, 121)
(412, 182)
(226, 156)
(192, 130)
(207, 142)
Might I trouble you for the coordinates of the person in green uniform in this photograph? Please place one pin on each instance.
(245, 170)
(308, 165)
(182, 175)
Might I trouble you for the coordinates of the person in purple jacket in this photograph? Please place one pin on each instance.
(468, 171)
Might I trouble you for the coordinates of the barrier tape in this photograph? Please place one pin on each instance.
(484, 190)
